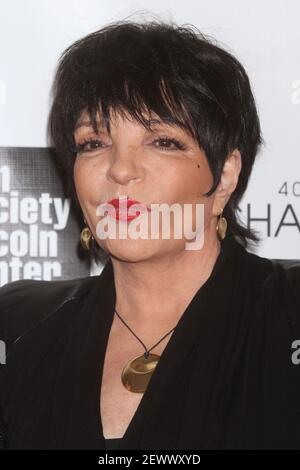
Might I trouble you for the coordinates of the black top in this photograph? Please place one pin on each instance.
(228, 362)
(112, 443)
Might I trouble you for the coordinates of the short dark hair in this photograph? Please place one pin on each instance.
(181, 75)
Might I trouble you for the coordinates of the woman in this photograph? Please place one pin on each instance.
(169, 347)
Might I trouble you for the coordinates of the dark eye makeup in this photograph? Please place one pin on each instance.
(91, 144)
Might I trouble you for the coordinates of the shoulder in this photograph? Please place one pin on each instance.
(274, 348)
(274, 319)
(282, 294)
(267, 348)
(25, 303)
(250, 272)
(271, 290)
(277, 281)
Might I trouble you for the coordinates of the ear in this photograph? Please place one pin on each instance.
(228, 182)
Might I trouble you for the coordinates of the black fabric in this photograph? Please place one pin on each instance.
(224, 380)
(112, 443)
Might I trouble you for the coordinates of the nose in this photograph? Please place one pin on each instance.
(125, 166)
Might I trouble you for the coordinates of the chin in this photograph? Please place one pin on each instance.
(133, 251)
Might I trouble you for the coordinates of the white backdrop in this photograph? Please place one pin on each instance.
(264, 35)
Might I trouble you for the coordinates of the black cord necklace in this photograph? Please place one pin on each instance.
(138, 371)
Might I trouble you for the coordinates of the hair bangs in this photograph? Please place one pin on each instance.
(147, 102)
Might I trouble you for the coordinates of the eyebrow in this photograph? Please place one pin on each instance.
(88, 123)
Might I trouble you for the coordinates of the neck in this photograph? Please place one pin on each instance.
(154, 293)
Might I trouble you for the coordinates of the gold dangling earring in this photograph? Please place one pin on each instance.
(221, 226)
(86, 237)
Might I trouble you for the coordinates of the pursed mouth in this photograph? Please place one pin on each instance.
(125, 209)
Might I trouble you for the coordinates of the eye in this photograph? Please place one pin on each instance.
(94, 144)
(166, 143)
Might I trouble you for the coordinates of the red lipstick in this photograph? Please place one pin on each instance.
(121, 207)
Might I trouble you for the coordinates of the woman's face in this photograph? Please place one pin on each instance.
(147, 167)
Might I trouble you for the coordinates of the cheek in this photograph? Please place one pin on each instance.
(82, 174)
(77, 173)
(90, 183)
(191, 183)
(201, 178)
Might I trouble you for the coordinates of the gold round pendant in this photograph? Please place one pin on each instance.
(137, 373)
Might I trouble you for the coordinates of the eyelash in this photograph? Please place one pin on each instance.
(79, 148)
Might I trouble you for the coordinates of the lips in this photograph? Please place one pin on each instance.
(121, 208)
